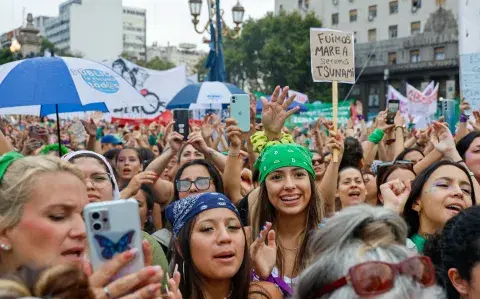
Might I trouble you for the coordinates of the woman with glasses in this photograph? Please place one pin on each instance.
(358, 254)
(102, 186)
(455, 254)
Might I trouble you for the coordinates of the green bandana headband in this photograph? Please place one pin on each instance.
(53, 147)
(6, 160)
(284, 155)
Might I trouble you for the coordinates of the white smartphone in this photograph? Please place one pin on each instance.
(240, 110)
(112, 228)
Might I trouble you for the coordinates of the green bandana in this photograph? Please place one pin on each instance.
(53, 147)
(284, 155)
(6, 160)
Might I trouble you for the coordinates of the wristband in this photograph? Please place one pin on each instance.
(360, 117)
(464, 118)
(418, 144)
(411, 126)
(389, 141)
(376, 136)
(401, 127)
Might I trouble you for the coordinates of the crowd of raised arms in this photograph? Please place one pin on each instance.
(269, 213)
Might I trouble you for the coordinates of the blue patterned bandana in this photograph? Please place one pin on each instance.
(183, 210)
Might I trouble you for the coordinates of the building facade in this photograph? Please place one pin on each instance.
(98, 30)
(397, 42)
(135, 32)
(185, 53)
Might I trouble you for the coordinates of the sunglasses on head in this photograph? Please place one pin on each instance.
(376, 278)
(200, 183)
(402, 162)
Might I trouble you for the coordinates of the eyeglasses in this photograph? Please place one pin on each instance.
(319, 161)
(375, 278)
(99, 180)
(200, 183)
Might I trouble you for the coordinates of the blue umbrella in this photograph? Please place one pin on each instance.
(294, 104)
(46, 85)
(206, 93)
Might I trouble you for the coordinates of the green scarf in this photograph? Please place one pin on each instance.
(53, 147)
(284, 155)
(6, 160)
(419, 241)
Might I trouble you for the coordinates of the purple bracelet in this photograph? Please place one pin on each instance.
(360, 117)
(463, 118)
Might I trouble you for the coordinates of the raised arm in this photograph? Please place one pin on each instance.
(232, 173)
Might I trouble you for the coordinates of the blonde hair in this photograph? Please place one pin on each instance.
(59, 282)
(19, 182)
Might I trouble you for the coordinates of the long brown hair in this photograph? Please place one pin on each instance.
(265, 211)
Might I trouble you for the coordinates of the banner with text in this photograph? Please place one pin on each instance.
(332, 55)
(323, 110)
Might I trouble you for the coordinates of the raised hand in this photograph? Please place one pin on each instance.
(442, 139)
(382, 121)
(275, 112)
(207, 127)
(197, 141)
(395, 194)
(175, 140)
(399, 120)
(234, 133)
(335, 142)
(476, 124)
(464, 106)
(90, 127)
(264, 255)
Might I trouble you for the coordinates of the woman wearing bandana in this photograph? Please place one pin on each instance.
(210, 250)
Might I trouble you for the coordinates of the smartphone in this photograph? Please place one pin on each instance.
(448, 113)
(181, 117)
(112, 228)
(240, 110)
(392, 109)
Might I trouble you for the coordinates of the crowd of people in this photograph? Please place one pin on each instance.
(365, 211)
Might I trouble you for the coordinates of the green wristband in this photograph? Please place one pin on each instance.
(376, 136)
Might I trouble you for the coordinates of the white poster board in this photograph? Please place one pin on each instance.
(332, 55)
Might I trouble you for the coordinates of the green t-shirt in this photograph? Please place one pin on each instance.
(419, 241)
(158, 256)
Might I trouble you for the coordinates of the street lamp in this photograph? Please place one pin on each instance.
(238, 12)
(15, 45)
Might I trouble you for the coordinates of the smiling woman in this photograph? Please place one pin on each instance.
(438, 193)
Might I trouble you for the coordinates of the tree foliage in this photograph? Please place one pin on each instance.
(275, 50)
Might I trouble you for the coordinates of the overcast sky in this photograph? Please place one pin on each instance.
(167, 20)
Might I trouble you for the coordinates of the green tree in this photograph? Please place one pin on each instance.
(200, 69)
(6, 56)
(275, 50)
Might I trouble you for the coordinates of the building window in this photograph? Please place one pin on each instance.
(414, 56)
(393, 31)
(353, 15)
(415, 28)
(416, 4)
(372, 11)
(355, 36)
(439, 53)
(393, 7)
(335, 19)
(392, 58)
(372, 35)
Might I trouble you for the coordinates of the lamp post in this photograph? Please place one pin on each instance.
(386, 76)
(218, 29)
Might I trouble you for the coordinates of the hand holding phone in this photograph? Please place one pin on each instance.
(113, 227)
(240, 110)
(392, 109)
(182, 122)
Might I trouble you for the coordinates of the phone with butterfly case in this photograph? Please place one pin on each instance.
(114, 227)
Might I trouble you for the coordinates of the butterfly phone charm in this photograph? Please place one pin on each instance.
(112, 228)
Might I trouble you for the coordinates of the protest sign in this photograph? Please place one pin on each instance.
(332, 55)
(299, 97)
(314, 111)
(470, 79)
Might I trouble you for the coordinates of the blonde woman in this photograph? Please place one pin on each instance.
(41, 225)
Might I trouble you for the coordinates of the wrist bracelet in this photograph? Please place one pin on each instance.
(234, 154)
(464, 118)
(418, 144)
(461, 161)
(360, 117)
(401, 127)
(376, 136)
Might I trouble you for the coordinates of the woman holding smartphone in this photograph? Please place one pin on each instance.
(41, 225)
